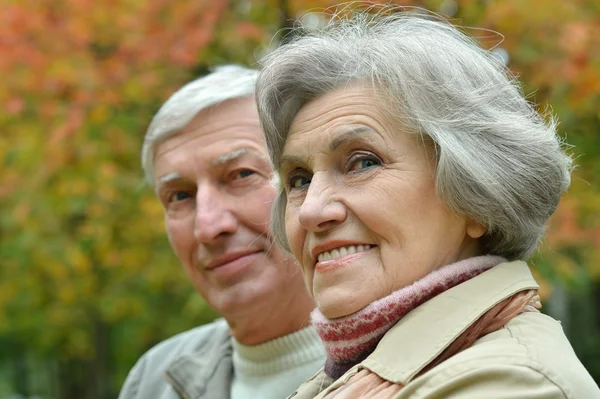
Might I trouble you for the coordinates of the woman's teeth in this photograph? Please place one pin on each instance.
(342, 251)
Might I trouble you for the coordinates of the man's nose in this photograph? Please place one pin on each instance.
(214, 218)
(320, 211)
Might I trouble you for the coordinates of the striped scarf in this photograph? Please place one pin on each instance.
(350, 339)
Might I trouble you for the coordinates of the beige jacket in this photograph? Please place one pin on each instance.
(529, 358)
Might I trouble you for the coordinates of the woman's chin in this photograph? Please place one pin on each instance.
(338, 309)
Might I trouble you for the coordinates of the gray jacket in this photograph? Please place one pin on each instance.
(192, 365)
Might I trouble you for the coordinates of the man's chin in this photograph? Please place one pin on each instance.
(241, 301)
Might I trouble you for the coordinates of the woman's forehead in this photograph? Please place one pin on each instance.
(333, 112)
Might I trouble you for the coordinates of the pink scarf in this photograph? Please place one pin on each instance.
(350, 339)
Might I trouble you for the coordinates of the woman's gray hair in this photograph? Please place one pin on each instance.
(226, 82)
(498, 160)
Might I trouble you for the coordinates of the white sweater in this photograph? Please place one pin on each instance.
(274, 369)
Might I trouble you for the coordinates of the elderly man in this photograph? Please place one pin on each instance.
(205, 155)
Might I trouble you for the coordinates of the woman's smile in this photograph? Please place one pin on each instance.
(331, 260)
(341, 252)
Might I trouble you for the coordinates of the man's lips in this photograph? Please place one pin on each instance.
(230, 257)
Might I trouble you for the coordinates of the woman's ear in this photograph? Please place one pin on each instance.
(475, 229)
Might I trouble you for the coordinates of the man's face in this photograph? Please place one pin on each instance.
(213, 181)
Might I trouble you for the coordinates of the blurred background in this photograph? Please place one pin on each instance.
(88, 281)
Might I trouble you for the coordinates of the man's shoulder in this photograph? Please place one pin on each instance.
(146, 378)
(189, 341)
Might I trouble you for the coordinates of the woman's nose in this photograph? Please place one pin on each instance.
(320, 211)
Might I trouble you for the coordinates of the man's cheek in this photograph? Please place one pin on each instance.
(170, 233)
(176, 240)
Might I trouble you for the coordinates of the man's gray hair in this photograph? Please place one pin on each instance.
(498, 160)
(226, 82)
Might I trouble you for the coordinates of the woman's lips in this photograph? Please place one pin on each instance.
(333, 245)
(329, 265)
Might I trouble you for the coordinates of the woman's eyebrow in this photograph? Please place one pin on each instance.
(335, 143)
(356, 131)
(290, 160)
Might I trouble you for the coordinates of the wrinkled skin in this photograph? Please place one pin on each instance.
(354, 176)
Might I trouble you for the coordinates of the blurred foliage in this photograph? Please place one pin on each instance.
(88, 281)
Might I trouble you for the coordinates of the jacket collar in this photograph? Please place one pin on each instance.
(425, 332)
(208, 372)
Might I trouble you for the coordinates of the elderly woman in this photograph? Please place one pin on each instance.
(415, 179)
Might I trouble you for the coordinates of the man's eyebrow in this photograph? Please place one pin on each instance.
(226, 158)
(223, 159)
(357, 131)
(168, 178)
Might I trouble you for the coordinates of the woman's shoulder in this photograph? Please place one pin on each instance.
(530, 355)
(531, 338)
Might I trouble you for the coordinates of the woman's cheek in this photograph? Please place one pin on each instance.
(292, 232)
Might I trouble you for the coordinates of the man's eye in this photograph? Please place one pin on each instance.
(242, 174)
(299, 181)
(364, 162)
(179, 196)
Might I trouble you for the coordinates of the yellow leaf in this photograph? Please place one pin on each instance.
(66, 294)
(77, 260)
(99, 114)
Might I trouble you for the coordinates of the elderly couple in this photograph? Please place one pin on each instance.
(412, 179)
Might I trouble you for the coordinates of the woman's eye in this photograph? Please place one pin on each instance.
(365, 162)
(299, 181)
(242, 174)
(179, 196)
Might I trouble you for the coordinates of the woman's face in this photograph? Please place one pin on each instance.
(362, 217)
